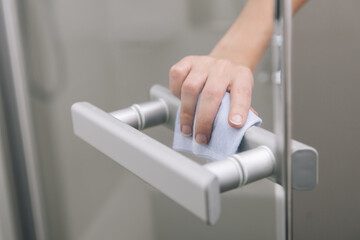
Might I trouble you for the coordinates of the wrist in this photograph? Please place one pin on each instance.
(224, 51)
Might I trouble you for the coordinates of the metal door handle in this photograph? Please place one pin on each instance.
(195, 187)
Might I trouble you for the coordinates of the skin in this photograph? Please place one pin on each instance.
(229, 67)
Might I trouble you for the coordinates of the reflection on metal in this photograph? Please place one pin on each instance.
(197, 188)
(282, 102)
(243, 168)
(141, 116)
(304, 157)
(175, 175)
(19, 125)
(191, 185)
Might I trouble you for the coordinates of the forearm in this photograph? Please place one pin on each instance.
(247, 39)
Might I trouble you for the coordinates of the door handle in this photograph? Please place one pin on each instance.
(195, 187)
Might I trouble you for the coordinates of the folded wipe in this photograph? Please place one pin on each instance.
(224, 140)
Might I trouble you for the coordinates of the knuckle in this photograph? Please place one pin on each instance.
(244, 71)
(213, 93)
(187, 113)
(191, 87)
(177, 72)
(207, 59)
(186, 116)
(223, 64)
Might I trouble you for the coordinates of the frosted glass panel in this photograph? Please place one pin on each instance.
(110, 53)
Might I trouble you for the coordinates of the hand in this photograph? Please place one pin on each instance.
(213, 77)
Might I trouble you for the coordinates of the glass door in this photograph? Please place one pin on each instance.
(110, 53)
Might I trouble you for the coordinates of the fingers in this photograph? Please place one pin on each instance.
(210, 100)
(240, 94)
(214, 77)
(178, 74)
(190, 90)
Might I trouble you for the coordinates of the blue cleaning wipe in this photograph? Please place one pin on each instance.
(224, 140)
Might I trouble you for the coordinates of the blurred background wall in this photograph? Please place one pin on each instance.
(326, 114)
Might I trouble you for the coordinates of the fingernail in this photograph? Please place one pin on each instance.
(200, 138)
(186, 130)
(236, 119)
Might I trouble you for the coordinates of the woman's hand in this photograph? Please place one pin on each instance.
(228, 68)
(213, 77)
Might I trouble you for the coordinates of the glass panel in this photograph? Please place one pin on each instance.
(110, 53)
